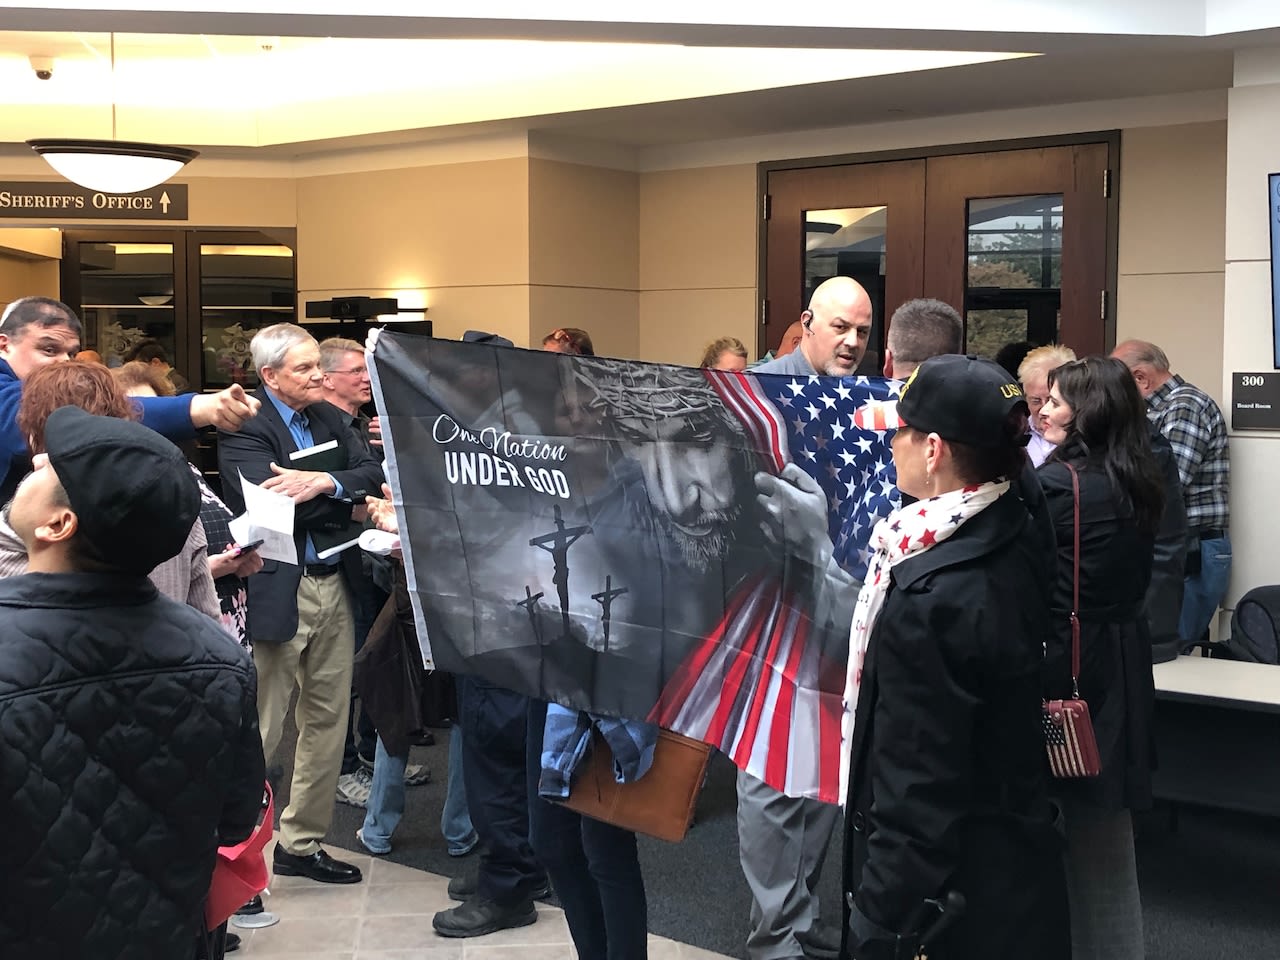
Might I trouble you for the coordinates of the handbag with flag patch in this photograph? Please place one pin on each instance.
(1068, 728)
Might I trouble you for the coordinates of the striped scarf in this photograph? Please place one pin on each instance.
(909, 531)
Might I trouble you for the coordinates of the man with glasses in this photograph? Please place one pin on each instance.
(346, 386)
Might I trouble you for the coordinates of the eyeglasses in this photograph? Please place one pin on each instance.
(353, 372)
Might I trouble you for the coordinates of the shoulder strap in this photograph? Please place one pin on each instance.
(1075, 583)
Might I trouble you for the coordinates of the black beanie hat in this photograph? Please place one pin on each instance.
(134, 495)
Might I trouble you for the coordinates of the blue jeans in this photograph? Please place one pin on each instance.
(594, 868)
(1203, 592)
(386, 800)
(455, 818)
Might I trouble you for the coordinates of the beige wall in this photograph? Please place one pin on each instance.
(1173, 185)
(583, 254)
(24, 277)
(697, 260)
(1253, 146)
(453, 237)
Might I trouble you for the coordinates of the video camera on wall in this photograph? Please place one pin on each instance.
(354, 317)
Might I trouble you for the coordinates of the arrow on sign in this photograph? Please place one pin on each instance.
(164, 201)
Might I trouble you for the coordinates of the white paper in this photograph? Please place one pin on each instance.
(267, 517)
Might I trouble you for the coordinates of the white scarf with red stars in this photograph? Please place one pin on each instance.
(910, 530)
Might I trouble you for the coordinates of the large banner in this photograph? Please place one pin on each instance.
(646, 541)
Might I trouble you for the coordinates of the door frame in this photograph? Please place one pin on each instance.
(1111, 138)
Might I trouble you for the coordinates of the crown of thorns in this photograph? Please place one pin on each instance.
(641, 391)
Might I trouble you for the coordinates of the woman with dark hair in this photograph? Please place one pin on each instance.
(948, 796)
(1096, 416)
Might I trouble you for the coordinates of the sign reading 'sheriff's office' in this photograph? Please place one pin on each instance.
(1255, 401)
(46, 200)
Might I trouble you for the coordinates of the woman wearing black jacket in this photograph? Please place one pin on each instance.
(1096, 416)
(947, 777)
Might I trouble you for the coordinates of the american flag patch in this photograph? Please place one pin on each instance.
(1068, 738)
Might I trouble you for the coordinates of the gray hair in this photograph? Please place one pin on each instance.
(923, 328)
(334, 349)
(1138, 352)
(1043, 359)
(270, 344)
(40, 312)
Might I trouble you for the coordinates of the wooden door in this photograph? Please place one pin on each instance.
(887, 257)
(1020, 241)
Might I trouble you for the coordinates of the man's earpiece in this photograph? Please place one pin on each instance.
(807, 322)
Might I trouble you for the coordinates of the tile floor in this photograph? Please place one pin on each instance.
(388, 917)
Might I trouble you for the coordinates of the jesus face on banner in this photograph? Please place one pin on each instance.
(693, 484)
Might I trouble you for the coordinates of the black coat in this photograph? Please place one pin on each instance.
(948, 777)
(1168, 558)
(1115, 647)
(273, 591)
(129, 750)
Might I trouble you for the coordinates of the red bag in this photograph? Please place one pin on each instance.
(1068, 727)
(240, 873)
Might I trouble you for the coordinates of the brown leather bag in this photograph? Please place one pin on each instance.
(660, 804)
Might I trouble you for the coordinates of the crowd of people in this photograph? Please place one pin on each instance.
(147, 659)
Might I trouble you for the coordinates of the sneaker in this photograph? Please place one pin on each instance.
(376, 853)
(477, 917)
(353, 788)
(415, 774)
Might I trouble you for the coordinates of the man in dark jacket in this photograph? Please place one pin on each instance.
(300, 613)
(129, 745)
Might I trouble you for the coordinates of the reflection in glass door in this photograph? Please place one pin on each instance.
(1013, 272)
(243, 287)
(849, 243)
(127, 295)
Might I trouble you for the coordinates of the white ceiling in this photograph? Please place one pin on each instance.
(391, 76)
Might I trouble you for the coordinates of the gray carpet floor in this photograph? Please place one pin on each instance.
(1209, 886)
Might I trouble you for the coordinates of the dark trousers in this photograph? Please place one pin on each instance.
(493, 768)
(367, 600)
(593, 866)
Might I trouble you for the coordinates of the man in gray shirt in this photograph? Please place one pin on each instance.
(783, 840)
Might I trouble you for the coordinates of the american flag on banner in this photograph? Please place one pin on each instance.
(766, 686)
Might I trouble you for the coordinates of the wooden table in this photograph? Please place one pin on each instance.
(1217, 728)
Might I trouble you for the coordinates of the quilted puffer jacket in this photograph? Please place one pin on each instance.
(129, 751)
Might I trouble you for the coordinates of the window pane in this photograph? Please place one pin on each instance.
(126, 293)
(1013, 271)
(243, 287)
(849, 242)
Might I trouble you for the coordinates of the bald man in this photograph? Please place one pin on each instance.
(1191, 421)
(783, 840)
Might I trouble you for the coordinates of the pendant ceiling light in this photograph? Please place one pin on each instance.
(113, 166)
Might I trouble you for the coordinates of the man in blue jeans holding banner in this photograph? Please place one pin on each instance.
(1192, 423)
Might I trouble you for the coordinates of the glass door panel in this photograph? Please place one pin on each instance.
(127, 296)
(1013, 272)
(243, 287)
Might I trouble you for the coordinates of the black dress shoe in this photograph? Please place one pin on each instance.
(232, 943)
(318, 866)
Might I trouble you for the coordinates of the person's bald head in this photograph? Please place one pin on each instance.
(1147, 362)
(837, 326)
(791, 338)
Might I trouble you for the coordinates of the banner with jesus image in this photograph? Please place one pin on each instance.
(641, 540)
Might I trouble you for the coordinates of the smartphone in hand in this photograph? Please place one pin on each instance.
(248, 547)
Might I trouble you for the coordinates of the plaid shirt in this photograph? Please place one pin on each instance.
(1193, 424)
